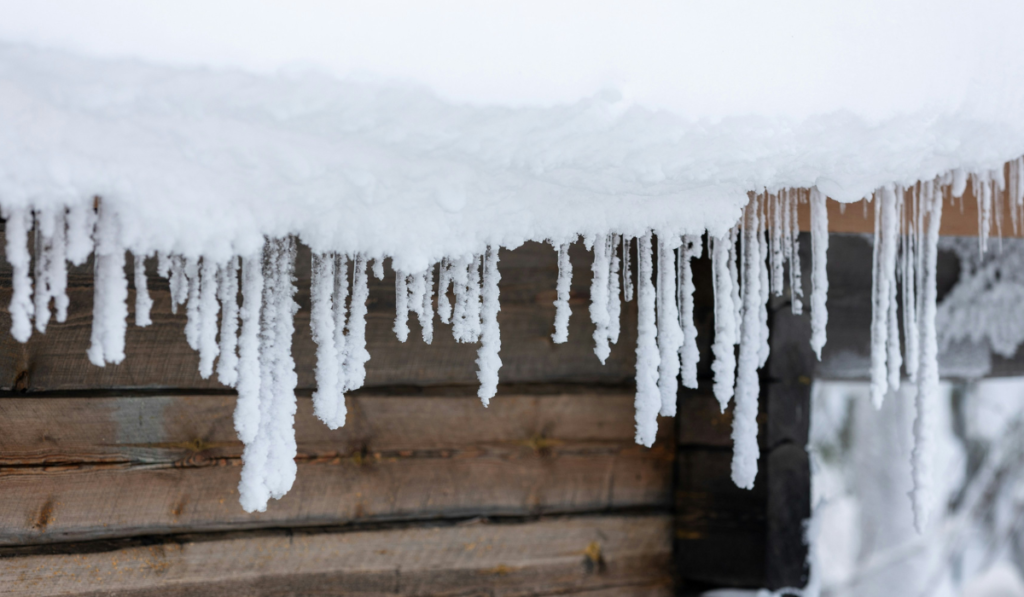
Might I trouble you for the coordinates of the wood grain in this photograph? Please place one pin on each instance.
(595, 556)
(87, 468)
(159, 358)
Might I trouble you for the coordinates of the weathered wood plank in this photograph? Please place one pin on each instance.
(80, 469)
(168, 429)
(588, 555)
(959, 219)
(158, 356)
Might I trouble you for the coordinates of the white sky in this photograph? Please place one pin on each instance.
(700, 59)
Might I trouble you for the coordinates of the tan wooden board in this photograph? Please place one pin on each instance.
(595, 556)
(959, 217)
(88, 468)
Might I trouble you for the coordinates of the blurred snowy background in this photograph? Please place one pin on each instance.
(864, 538)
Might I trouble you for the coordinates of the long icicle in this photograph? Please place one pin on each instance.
(928, 386)
(209, 308)
(401, 327)
(724, 347)
(796, 285)
(894, 360)
(670, 336)
(426, 310)
(735, 238)
(247, 409)
(44, 232)
(110, 292)
(328, 392)
(819, 267)
(58, 275)
(444, 280)
(614, 301)
(143, 302)
(19, 220)
(227, 294)
(763, 347)
(688, 352)
(744, 422)
(356, 354)
(339, 312)
(599, 298)
(192, 307)
(488, 360)
(81, 223)
(627, 269)
(562, 310)
(648, 398)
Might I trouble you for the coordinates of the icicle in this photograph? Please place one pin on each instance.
(734, 274)
(43, 245)
(192, 308)
(879, 308)
(796, 285)
(426, 310)
(627, 270)
(378, 268)
(401, 327)
(339, 312)
(928, 386)
(356, 355)
(894, 358)
(81, 221)
(562, 310)
(328, 392)
(19, 221)
(58, 274)
(269, 460)
(883, 313)
(614, 306)
(247, 409)
(648, 397)
(744, 422)
(984, 209)
(762, 264)
(473, 300)
(910, 285)
(689, 354)
(776, 243)
(110, 293)
(487, 360)
(444, 306)
(598, 299)
(143, 302)
(460, 287)
(724, 364)
(819, 277)
(227, 294)
(208, 311)
(178, 283)
(670, 336)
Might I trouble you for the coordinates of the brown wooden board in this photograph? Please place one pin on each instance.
(593, 556)
(159, 358)
(86, 468)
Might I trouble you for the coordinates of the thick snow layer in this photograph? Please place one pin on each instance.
(401, 142)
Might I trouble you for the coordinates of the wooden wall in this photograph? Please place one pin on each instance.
(122, 480)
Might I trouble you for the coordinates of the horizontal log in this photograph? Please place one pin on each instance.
(593, 556)
(76, 469)
(159, 358)
(959, 217)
